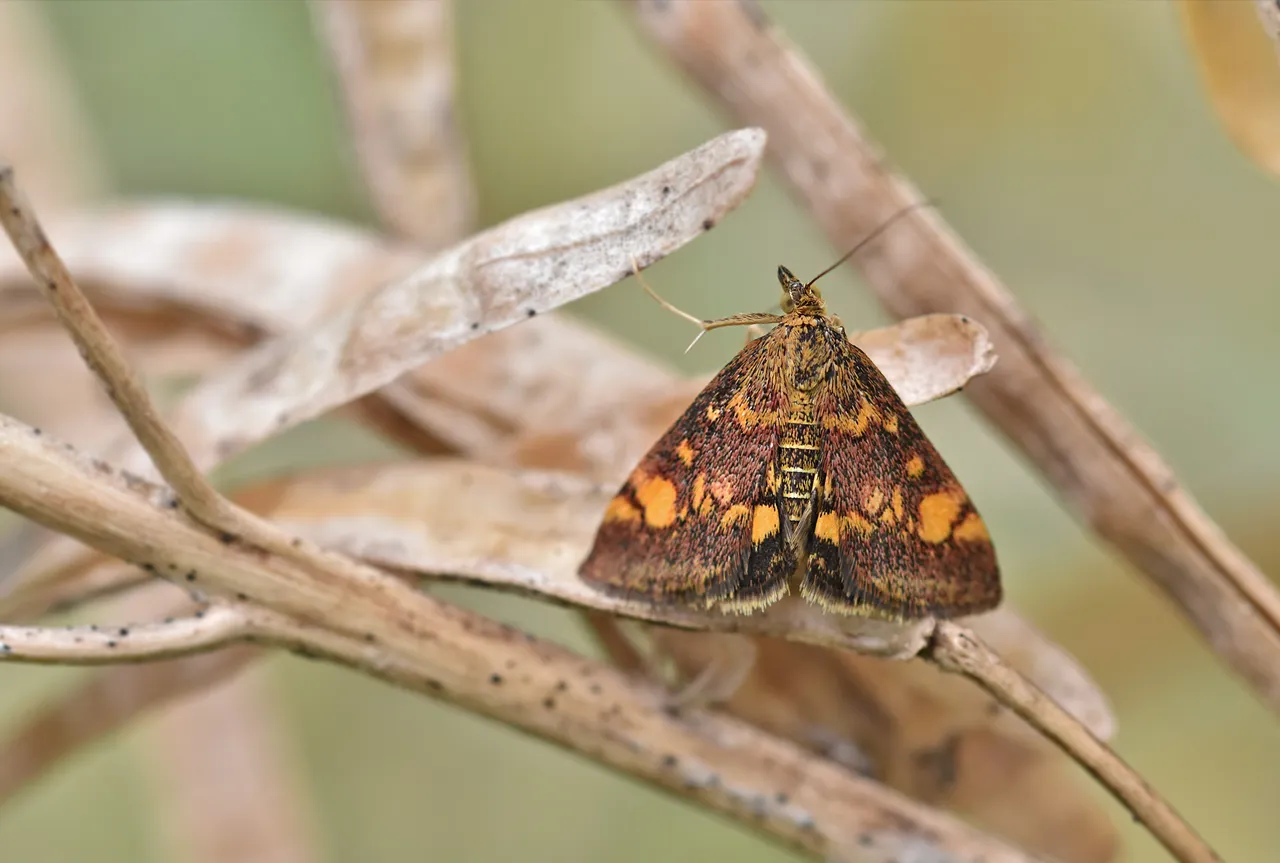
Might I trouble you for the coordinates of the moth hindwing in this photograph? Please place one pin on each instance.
(798, 466)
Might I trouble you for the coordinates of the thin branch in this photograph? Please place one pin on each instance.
(772, 786)
(394, 61)
(955, 649)
(104, 358)
(208, 628)
(1097, 462)
(225, 783)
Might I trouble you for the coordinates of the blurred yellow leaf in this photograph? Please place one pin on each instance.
(1241, 68)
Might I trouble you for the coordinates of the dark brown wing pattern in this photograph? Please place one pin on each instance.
(697, 521)
(895, 535)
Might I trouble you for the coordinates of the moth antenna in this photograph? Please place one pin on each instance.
(635, 268)
(884, 226)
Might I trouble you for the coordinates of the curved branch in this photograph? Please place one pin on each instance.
(955, 649)
(206, 629)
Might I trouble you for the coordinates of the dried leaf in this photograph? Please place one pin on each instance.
(161, 346)
(267, 269)
(1235, 46)
(357, 616)
(507, 274)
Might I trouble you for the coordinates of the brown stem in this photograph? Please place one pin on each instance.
(957, 650)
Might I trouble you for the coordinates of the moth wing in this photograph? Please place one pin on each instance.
(895, 535)
(697, 522)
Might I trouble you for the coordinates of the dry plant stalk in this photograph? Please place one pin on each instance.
(269, 588)
(1099, 465)
(216, 762)
(394, 64)
(272, 589)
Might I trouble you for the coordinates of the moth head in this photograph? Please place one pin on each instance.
(797, 295)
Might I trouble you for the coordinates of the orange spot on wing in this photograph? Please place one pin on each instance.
(891, 423)
(764, 524)
(658, 497)
(937, 513)
(866, 414)
(896, 503)
(856, 425)
(860, 524)
(735, 514)
(699, 491)
(972, 529)
(713, 413)
(827, 527)
(684, 452)
(915, 466)
(621, 509)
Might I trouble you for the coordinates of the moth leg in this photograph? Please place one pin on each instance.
(754, 331)
(733, 656)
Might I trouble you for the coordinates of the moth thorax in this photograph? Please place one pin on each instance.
(808, 357)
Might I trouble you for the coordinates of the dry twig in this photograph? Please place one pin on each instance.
(394, 65)
(959, 651)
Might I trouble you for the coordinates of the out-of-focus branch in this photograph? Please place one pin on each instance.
(222, 775)
(955, 649)
(112, 698)
(1099, 465)
(394, 62)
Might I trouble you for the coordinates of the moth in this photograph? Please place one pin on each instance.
(798, 468)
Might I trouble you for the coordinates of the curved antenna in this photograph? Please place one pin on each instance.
(918, 205)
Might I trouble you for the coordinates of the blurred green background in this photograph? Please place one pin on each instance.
(1068, 143)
